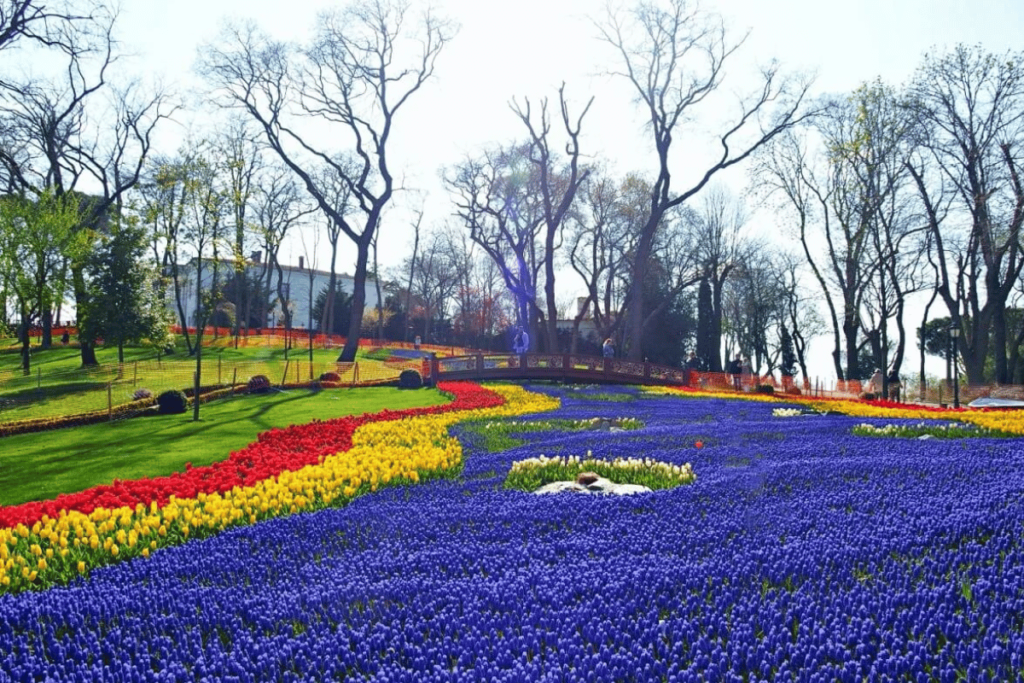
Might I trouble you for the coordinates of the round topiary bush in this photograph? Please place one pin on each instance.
(141, 394)
(764, 389)
(259, 384)
(172, 401)
(330, 377)
(410, 379)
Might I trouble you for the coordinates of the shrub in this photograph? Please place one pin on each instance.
(764, 389)
(259, 384)
(794, 391)
(410, 379)
(141, 394)
(330, 377)
(868, 396)
(172, 401)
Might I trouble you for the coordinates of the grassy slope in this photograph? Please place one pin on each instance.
(40, 466)
(59, 386)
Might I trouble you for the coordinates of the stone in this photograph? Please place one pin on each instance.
(586, 478)
(598, 485)
(561, 487)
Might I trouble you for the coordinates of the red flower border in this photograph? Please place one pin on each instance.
(274, 451)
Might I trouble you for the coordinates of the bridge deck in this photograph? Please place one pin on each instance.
(565, 367)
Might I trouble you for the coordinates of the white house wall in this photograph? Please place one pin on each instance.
(297, 285)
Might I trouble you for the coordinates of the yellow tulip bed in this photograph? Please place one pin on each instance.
(54, 550)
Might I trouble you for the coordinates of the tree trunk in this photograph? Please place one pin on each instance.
(924, 320)
(348, 353)
(200, 324)
(47, 339)
(635, 322)
(26, 344)
(1002, 374)
(88, 351)
(850, 327)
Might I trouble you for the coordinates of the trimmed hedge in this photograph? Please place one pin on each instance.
(410, 379)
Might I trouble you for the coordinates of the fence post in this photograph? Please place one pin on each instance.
(234, 379)
(110, 402)
(284, 378)
(135, 373)
(355, 373)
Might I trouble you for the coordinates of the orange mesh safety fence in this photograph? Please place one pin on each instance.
(53, 394)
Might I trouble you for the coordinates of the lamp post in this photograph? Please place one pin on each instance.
(954, 334)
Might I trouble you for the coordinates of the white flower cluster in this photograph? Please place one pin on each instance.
(623, 422)
(787, 412)
(682, 472)
(897, 429)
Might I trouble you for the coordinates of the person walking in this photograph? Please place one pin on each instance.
(893, 380)
(875, 383)
(734, 369)
(608, 350)
(521, 343)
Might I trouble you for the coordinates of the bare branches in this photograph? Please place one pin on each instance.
(360, 69)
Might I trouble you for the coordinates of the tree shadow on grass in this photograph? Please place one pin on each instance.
(54, 391)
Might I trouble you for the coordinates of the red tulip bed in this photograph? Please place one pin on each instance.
(275, 451)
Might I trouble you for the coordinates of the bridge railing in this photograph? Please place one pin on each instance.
(554, 366)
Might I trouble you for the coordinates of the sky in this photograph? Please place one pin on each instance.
(528, 48)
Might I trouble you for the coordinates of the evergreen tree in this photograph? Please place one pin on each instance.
(125, 306)
(342, 311)
(787, 364)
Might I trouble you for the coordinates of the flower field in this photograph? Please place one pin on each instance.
(801, 552)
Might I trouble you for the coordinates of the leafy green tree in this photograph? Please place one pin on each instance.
(125, 302)
(37, 241)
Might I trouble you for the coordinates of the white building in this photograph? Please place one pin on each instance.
(295, 288)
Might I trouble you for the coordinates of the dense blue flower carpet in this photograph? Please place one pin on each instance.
(801, 553)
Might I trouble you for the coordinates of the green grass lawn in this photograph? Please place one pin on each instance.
(40, 466)
(58, 385)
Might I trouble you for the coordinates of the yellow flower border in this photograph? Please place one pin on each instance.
(53, 551)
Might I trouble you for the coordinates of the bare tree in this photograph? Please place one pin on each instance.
(239, 149)
(558, 188)
(278, 206)
(598, 246)
(354, 77)
(719, 251)
(800, 317)
(497, 198)
(62, 134)
(412, 272)
(68, 26)
(971, 106)
(674, 54)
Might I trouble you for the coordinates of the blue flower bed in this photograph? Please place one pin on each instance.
(801, 553)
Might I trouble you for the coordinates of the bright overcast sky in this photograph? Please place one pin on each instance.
(529, 47)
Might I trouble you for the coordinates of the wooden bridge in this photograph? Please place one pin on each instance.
(560, 367)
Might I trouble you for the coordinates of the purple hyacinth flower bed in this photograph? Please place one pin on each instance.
(801, 553)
